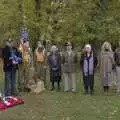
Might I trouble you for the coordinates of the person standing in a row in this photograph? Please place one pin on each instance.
(106, 66)
(54, 61)
(40, 64)
(117, 61)
(88, 64)
(69, 68)
(11, 58)
(24, 68)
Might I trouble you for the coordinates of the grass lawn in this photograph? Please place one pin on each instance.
(66, 106)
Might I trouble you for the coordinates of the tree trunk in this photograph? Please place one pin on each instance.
(104, 3)
(37, 7)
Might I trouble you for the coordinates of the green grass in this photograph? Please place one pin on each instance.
(66, 106)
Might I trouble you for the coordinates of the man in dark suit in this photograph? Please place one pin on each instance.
(11, 59)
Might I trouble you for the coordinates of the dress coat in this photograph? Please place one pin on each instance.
(54, 61)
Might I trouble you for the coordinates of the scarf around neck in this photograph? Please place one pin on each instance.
(88, 65)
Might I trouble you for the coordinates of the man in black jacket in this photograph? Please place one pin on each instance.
(11, 59)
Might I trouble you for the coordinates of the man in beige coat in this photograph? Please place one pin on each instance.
(69, 66)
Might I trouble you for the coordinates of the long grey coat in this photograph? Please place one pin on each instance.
(106, 66)
(69, 62)
(106, 62)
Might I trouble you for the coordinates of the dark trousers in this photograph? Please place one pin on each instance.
(53, 84)
(88, 83)
(55, 78)
(106, 88)
(10, 83)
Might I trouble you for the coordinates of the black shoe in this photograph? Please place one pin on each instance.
(27, 90)
(52, 89)
(58, 89)
(91, 93)
(86, 93)
(15, 94)
(74, 92)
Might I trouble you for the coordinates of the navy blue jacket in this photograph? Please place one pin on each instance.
(8, 64)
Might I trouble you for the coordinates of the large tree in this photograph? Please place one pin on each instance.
(80, 21)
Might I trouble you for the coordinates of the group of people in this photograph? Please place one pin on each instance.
(20, 59)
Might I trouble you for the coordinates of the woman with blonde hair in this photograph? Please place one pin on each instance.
(106, 65)
(106, 45)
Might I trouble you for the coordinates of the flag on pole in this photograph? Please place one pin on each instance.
(24, 34)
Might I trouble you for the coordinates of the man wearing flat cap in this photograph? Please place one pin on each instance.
(69, 66)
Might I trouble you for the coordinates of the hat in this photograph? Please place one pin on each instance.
(68, 44)
(9, 40)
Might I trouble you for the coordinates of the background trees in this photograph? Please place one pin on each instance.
(79, 21)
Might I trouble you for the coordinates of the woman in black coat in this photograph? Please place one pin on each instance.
(54, 61)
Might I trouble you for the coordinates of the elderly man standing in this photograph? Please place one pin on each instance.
(11, 59)
(69, 66)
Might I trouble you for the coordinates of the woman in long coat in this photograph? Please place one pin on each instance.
(54, 61)
(106, 65)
